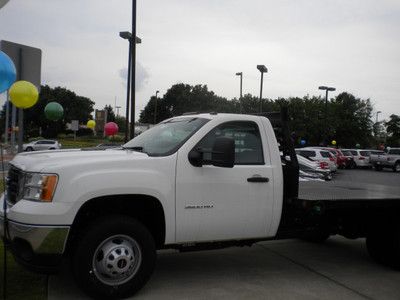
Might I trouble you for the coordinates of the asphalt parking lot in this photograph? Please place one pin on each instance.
(287, 269)
(291, 269)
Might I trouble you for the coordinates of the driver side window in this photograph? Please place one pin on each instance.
(248, 145)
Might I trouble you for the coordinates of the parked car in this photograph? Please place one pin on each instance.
(391, 159)
(42, 145)
(320, 155)
(361, 157)
(318, 169)
(340, 160)
(350, 164)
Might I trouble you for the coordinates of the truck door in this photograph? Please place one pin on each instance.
(214, 203)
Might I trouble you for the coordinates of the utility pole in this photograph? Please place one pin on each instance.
(326, 89)
(133, 77)
(155, 108)
(7, 119)
(241, 90)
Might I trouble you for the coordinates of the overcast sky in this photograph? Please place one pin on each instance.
(351, 45)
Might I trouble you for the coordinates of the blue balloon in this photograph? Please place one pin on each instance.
(8, 73)
(302, 142)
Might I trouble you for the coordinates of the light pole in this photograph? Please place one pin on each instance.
(155, 109)
(326, 89)
(241, 91)
(263, 69)
(126, 35)
(377, 114)
(117, 109)
(133, 75)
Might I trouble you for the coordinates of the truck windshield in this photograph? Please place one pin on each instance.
(167, 137)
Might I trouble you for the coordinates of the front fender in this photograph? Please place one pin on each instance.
(153, 177)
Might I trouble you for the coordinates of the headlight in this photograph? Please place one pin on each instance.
(39, 187)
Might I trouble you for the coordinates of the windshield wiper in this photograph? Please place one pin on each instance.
(134, 148)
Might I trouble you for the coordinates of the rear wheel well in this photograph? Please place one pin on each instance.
(145, 209)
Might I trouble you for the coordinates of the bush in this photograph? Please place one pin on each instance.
(81, 132)
(116, 138)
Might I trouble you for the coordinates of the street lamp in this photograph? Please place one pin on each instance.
(126, 35)
(117, 109)
(155, 109)
(326, 89)
(241, 91)
(263, 69)
(377, 113)
(133, 40)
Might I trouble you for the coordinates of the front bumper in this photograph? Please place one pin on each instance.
(37, 247)
(384, 164)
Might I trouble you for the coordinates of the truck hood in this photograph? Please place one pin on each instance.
(51, 161)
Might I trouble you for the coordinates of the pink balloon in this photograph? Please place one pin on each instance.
(111, 128)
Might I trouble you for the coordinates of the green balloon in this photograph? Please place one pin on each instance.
(54, 111)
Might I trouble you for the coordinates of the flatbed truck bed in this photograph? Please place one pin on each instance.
(338, 189)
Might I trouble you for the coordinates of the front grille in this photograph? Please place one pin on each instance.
(13, 182)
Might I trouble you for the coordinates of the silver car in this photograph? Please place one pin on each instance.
(319, 155)
(316, 169)
(42, 145)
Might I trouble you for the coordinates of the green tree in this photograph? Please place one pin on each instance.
(120, 121)
(110, 113)
(251, 104)
(182, 98)
(350, 120)
(75, 108)
(147, 114)
(306, 118)
(393, 131)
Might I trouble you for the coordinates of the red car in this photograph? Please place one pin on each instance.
(340, 160)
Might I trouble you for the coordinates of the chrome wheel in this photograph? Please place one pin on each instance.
(117, 260)
(397, 168)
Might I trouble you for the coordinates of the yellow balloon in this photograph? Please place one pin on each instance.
(23, 94)
(91, 124)
(333, 142)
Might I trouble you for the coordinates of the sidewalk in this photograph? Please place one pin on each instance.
(292, 269)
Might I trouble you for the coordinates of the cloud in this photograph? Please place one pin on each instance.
(354, 46)
(142, 76)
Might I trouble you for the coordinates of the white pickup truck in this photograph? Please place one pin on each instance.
(390, 159)
(199, 181)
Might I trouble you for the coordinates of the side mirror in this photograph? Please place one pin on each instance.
(196, 158)
(223, 152)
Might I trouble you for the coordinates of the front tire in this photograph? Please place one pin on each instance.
(114, 257)
(396, 167)
(29, 149)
